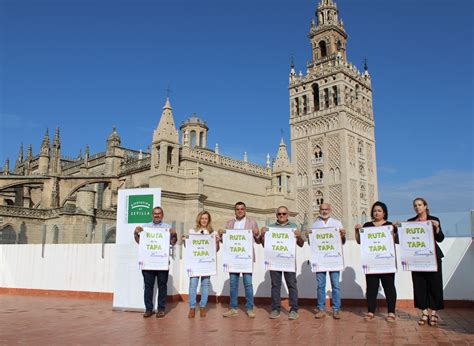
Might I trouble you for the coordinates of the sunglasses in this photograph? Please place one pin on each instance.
(282, 214)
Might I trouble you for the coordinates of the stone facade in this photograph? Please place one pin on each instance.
(332, 127)
(51, 198)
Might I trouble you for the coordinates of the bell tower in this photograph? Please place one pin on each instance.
(332, 127)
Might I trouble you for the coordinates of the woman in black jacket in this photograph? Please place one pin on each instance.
(428, 286)
(379, 214)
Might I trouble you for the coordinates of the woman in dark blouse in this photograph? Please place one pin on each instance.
(428, 286)
(379, 216)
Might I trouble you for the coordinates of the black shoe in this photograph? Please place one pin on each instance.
(147, 314)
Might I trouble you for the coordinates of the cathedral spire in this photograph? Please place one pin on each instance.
(56, 140)
(44, 150)
(166, 129)
(282, 162)
(29, 153)
(20, 154)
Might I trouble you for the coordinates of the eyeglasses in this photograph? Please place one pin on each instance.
(282, 214)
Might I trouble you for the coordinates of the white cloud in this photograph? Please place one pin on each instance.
(445, 191)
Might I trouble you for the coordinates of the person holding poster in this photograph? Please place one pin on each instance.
(428, 286)
(379, 214)
(203, 226)
(325, 220)
(241, 222)
(290, 276)
(149, 276)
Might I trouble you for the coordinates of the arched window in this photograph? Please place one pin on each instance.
(201, 139)
(318, 155)
(297, 105)
(7, 235)
(315, 88)
(169, 156)
(335, 95)
(318, 177)
(339, 45)
(110, 237)
(305, 104)
(319, 198)
(323, 49)
(193, 138)
(55, 234)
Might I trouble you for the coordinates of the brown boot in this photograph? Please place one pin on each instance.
(192, 313)
(202, 312)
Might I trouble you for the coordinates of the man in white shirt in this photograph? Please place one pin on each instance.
(241, 222)
(325, 220)
(149, 276)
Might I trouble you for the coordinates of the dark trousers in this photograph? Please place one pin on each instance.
(149, 280)
(290, 279)
(388, 283)
(428, 289)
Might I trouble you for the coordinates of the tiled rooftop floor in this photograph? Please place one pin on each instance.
(39, 320)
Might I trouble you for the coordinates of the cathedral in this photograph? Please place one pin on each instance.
(48, 198)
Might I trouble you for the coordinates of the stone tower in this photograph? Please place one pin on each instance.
(332, 127)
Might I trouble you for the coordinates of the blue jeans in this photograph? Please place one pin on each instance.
(193, 284)
(321, 292)
(234, 290)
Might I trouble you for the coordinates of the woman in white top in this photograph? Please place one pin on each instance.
(203, 226)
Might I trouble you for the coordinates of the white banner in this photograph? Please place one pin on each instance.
(154, 249)
(237, 256)
(326, 250)
(417, 246)
(377, 250)
(200, 255)
(134, 209)
(280, 249)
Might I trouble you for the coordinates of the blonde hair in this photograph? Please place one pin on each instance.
(425, 203)
(198, 221)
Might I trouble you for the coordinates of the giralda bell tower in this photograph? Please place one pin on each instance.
(332, 127)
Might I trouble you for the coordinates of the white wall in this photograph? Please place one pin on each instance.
(80, 267)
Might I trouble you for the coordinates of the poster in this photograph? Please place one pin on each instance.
(377, 250)
(237, 254)
(200, 255)
(280, 249)
(326, 250)
(417, 246)
(154, 249)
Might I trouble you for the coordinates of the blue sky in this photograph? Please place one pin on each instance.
(87, 65)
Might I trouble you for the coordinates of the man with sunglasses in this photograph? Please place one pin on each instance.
(276, 276)
(325, 220)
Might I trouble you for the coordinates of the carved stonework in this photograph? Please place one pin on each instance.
(335, 198)
(334, 151)
(302, 202)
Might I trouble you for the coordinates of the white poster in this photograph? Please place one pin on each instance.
(417, 246)
(134, 209)
(377, 250)
(280, 249)
(154, 249)
(200, 255)
(237, 255)
(326, 250)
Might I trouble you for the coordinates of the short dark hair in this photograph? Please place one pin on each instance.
(381, 205)
(158, 208)
(240, 203)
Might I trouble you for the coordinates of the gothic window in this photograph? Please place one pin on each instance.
(323, 49)
(305, 104)
(110, 237)
(201, 139)
(326, 97)
(7, 235)
(169, 156)
(319, 198)
(315, 88)
(193, 138)
(335, 95)
(318, 155)
(55, 234)
(297, 106)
